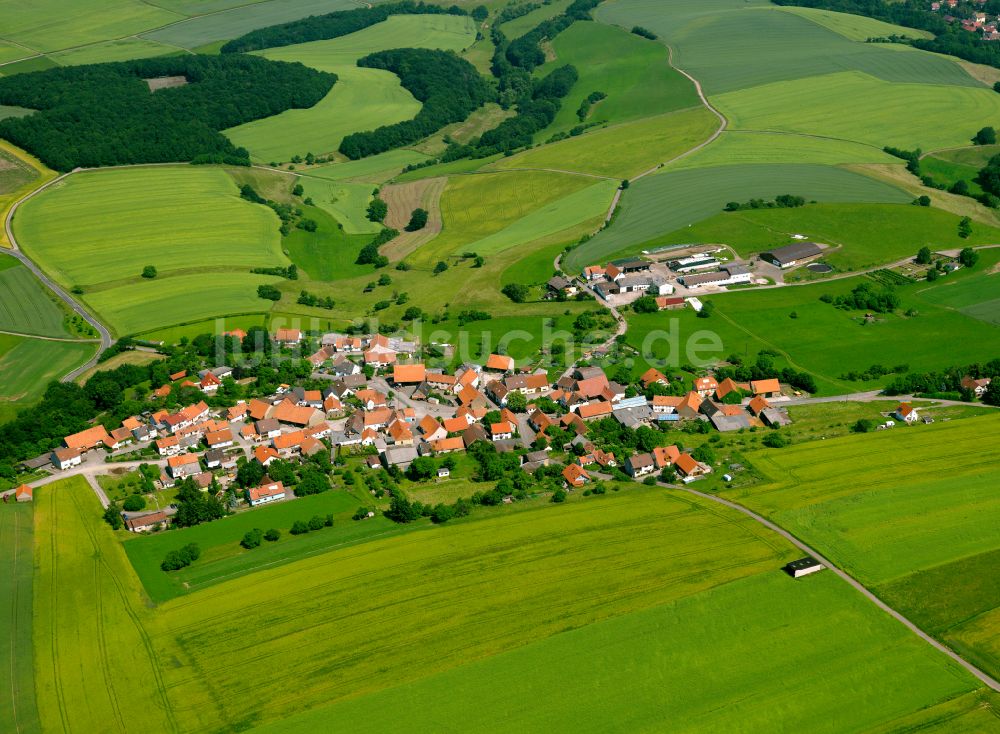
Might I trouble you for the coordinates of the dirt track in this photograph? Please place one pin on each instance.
(402, 200)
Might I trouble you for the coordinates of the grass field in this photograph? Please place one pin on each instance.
(474, 207)
(922, 533)
(731, 44)
(362, 99)
(345, 201)
(20, 173)
(122, 50)
(861, 235)
(12, 52)
(517, 568)
(742, 147)
(976, 156)
(218, 26)
(698, 194)
(27, 307)
(173, 334)
(519, 26)
(880, 671)
(822, 339)
(177, 219)
(18, 711)
(853, 105)
(855, 27)
(375, 168)
(624, 150)
(973, 294)
(328, 253)
(50, 25)
(222, 556)
(28, 365)
(143, 306)
(96, 668)
(633, 72)
(129, 357)
(9, 111)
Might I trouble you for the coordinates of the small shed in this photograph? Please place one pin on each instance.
(803, 567)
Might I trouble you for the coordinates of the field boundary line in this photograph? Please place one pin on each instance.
(50, 338)
(984, 677)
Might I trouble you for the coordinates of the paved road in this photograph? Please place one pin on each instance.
(870, 396)
(15, 251)
(981, 675)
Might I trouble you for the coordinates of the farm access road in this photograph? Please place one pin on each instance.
(857, 585)
(74, 305)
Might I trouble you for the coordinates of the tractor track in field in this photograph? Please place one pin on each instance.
(983, 677)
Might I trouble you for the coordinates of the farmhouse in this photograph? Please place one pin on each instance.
(145, 522)
(693, 264)
(183, 465)
(23, 493)
(907, 413)
(88, 439)
(639, 465)
(575, 475)
(499, 363)
(669, 303)
(265, 493)
(64, 459)
(288, 337)
(792, 255)
(729, 275)
(977, 386)
(408, 374)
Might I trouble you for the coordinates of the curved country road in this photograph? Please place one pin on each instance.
(981, 675)
(15, 251)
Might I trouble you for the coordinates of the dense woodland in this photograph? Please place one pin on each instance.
(330, 25)
(949, 38)
(449, 87)
(105, 114)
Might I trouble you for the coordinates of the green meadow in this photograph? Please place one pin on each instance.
(622, 150)
(375, 168)
(12, 52)
(820, 339)
(173, 334)
(854, 105)
(743, 147)
(18, 711)
(362, 99)
(27, 307)
(733, 45)
(634, 73)
(972, 293)
(329, 253)
(922, 533)
(855, 27)
(697, 194)
(520, 26)
(345, 201)
(224, 558)
(763, 622)
(120, 50)
(28, 365)
(226, 19)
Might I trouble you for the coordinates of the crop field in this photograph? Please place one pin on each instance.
(122, 50)
(855, 27)
(973, 293)
(623, 150)
(12, 52)
(147, 305)
(822, 339)
(743, 147)
(860, 235)
(335, 595)
(20, 173)
(920, 532)
(476, 206)
(403, 200)
(634, 73)
(95, 666)
(698, 194)
(362, 99)
(28, 365)
(853, 105)
(519, 26)
(870, 660)
(173, 334)
(27, 306)
(222, 556)
(730, 45)
(18, 711)
(177, 219)
(219, 26)
(328, 253)
(375, 169)
(345, 201)
(50, 25)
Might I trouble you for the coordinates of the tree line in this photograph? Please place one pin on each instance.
(330, 25)
(105, 114)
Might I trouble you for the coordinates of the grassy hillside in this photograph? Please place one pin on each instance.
(362, 99)
(27, 306)
(28, 365)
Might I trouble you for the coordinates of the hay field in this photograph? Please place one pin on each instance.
(635, 672)
(27, 307)
(18, 711)
(670, 200)
(621, 151)
(362, 99)
(743, 147)
(634, 73)
(118, 221)
(857, 106)
(732, 45)
(28, 365)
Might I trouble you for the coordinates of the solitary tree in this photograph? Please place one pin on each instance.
(440, 267)
(418, 220)
(986, 136)
(149, 272)
(924, 256)
(968, 257)
(965, 229)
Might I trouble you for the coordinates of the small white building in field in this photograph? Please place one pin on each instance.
(803, 567)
